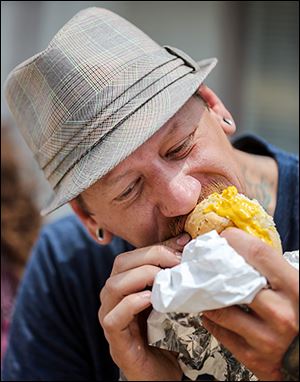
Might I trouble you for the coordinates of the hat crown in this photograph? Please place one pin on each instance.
(77, 61)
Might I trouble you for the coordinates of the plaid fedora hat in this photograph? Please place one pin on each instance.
(97, 92)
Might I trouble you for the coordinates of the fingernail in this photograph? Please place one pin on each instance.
(183, 239)
(146, 294)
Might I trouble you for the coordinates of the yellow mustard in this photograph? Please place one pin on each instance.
(240, 211)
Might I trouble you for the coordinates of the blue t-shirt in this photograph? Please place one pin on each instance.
(55, 333)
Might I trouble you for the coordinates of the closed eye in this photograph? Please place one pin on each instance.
(129, 191)
(182, 150)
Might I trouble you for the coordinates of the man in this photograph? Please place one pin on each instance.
(127, 133)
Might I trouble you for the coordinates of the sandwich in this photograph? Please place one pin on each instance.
(232, 209)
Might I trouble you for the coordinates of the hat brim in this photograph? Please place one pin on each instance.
(131, 134)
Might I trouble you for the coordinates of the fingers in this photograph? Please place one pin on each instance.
(235, 319)
(266, 303)
(272, 320)
(164, 255)
(119, 286)
(229, 339)
(118, 319)
(134, 271)
(124, 301)
(261, 256)
(278, 311)
(131, 281)
(121, 329)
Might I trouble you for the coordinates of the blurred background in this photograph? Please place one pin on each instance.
(256, 43)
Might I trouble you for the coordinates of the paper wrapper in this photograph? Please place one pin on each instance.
(211, 275)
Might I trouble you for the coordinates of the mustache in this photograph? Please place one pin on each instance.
(176, 225)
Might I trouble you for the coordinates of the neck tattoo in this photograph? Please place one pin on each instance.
(259, 189)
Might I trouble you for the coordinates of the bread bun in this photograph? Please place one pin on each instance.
(231, 209)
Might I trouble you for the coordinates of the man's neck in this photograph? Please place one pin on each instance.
(260, 178)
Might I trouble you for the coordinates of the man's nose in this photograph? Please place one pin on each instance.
(177, 195)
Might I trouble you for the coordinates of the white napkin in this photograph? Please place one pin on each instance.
(211, 275)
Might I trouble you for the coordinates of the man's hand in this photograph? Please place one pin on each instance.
(260, 338)
(123, 302)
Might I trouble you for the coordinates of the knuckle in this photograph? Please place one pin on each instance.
(101, 294)
(251, 359)
(258, 248)
(269, 345)
(286, 322)
(118, 263)
(108, 323)
(110, 286)
(100, 316)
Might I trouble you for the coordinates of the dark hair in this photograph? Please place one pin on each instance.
(197, 95)
(82, 204)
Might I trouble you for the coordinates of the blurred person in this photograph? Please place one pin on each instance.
(20, 223)
(127, 133)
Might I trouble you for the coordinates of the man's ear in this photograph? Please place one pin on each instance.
(91, 224)
(218, 107)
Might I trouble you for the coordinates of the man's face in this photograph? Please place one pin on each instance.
(146, 198)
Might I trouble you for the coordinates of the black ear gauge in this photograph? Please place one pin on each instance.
(99, 234)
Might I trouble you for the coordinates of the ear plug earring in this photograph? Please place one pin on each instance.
(100, 234)
(228, 121)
